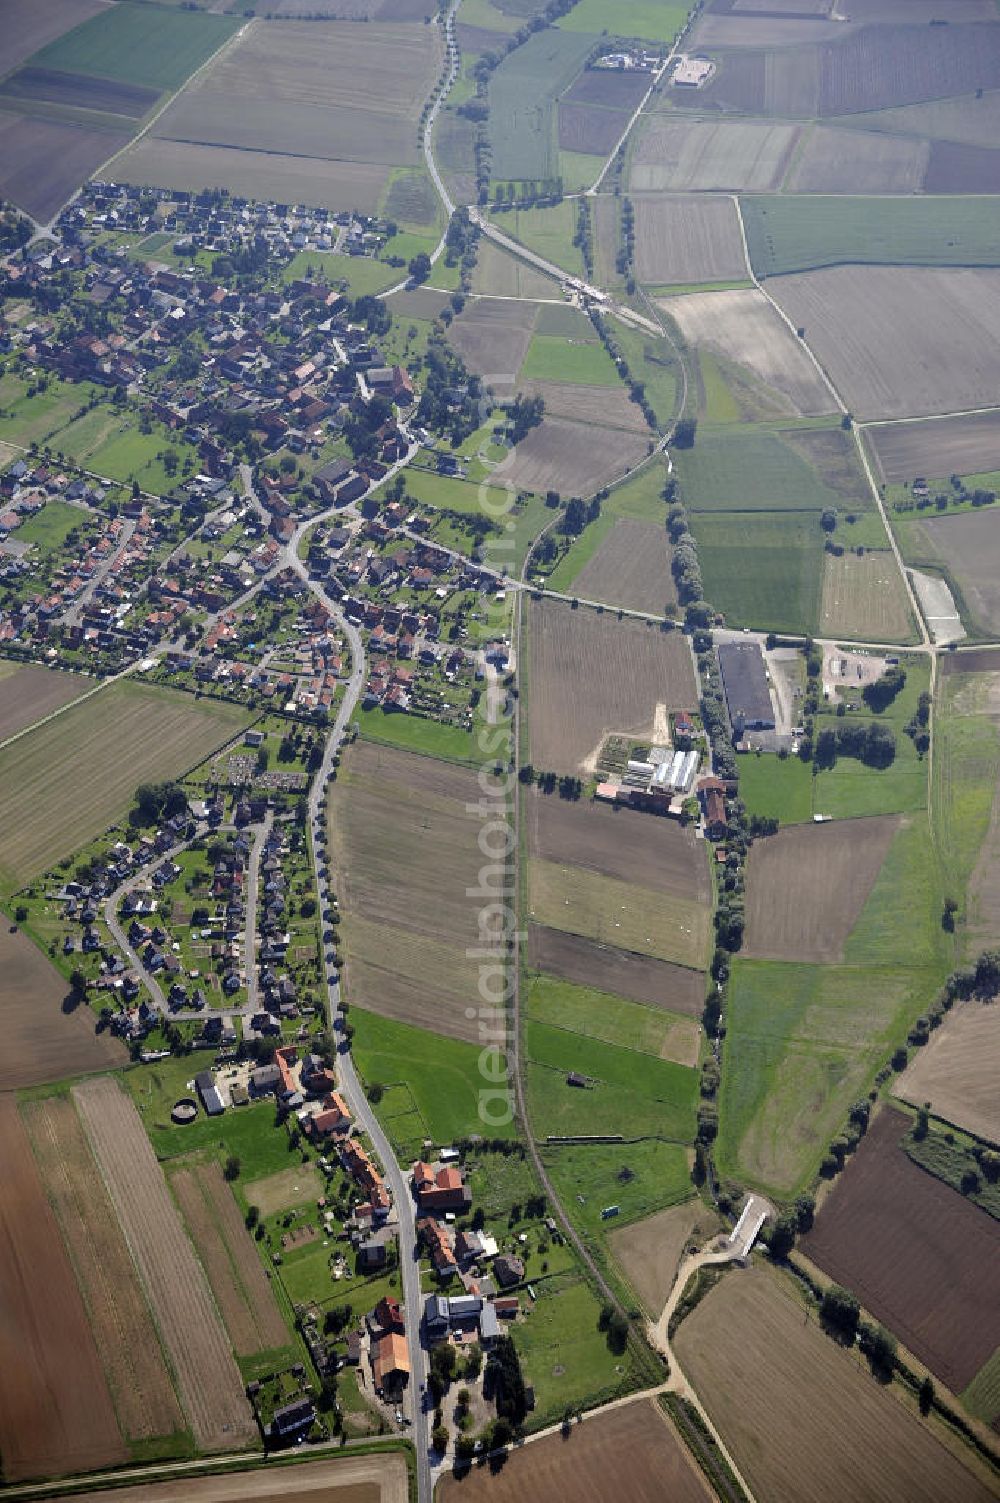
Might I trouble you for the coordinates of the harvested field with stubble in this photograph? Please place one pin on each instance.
(572, 458)
(630, 568)
(379, 1478)
(237, 1278)
(208, 1380)
(648, 922)
(804, 1419)
(836, 159)
(864, 597)
(683, 239)
(807, 885)
(122, 1326)
(609, 407)
(967, 445)
(253, 174)
(631, 1452)
(333, 90)
(588, 129)
(66, 768)
(956, 1071)
(404, 850)
(924, 1260)
(56, 1414)
(591, 675)
(618, 843)
(649, 1251)
(44, 1041)
(749, 156)
(900, 341)
(640, 978)
(741, 326)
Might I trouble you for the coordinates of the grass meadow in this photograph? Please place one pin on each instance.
(762, 569)
(412, 733)
(777, 787)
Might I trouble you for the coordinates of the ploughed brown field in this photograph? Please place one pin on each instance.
(618, 843)
(587, 128)
(683, 238)
(591, 675)
(572, 458)
(208, 1380)
(79, 91)
(630, 568)
(240, 1286)
(632, 1452)
(348, 1479)
(807, 885)
(921, 1258)
(42, 162)
(608, 406)
(126, 1337)
(56, 1414)
(29, 693)
(405, 850)
(492, 336)
(956, 1071)
(945, 446)
(803, 1419)
(41, 1041)
(649, 1251)
(30, 25)
(641, 978)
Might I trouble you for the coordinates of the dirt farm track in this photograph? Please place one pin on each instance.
(364, 1479)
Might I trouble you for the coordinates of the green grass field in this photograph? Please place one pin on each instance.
(850, 789)
(522, 94)
(553, 359)
(109, 443)
(802, 1043)
(787, 233)
(762, 569)
(140, 44)
(749, 470)
(966, 773)
(635, 1094)
(901, 921)
(442, 1075)
(445, 492)
(413, 733)
(651, 20)
(652, 361)
(564, 1355)
(249, 1133)
(49, 528)
(639, 1178)
(34, 419)
(548, 232)
(83, 767)
(982, 1397)
(601, 1015)
(578, 170)
(777, 787)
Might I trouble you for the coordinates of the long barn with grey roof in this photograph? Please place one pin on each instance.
(744, 680)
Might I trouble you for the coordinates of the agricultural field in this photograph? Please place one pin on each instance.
(837, 159)
(523, 93)
(684, 156)
(850, 788)
(583, 362)
(632, 1450)
(630, 568)
(917, 1254)
(807, 886)
(966, 773)
(28, 694)
(42, 161)
(755, 469)
(133, 1361)
(802, 1418)
(56, 1413)
(864, 597)
(590, 675)
(788, 234)
(235, 1273)
(208, 1380)
(549, 232)
(373, 1478)
(492, 336)
(656, 983)
(683, 239)
(589, 131)
(649, 1251)
(956, 1071)
(572, 458)
(742, 327)
(46, 1037)
(404, 851)
(30, 25)
(130, 43)
(584, 902)
(285, 1189)
(330, 91)
(802, 1043)
(500, 274)
(762, 569)
(650, 20)
(968, 445)
(777, 787)
(63, 767)
(964, 549)
(899, 341)
(259, 175)
(603, 406)
(615, 1020)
